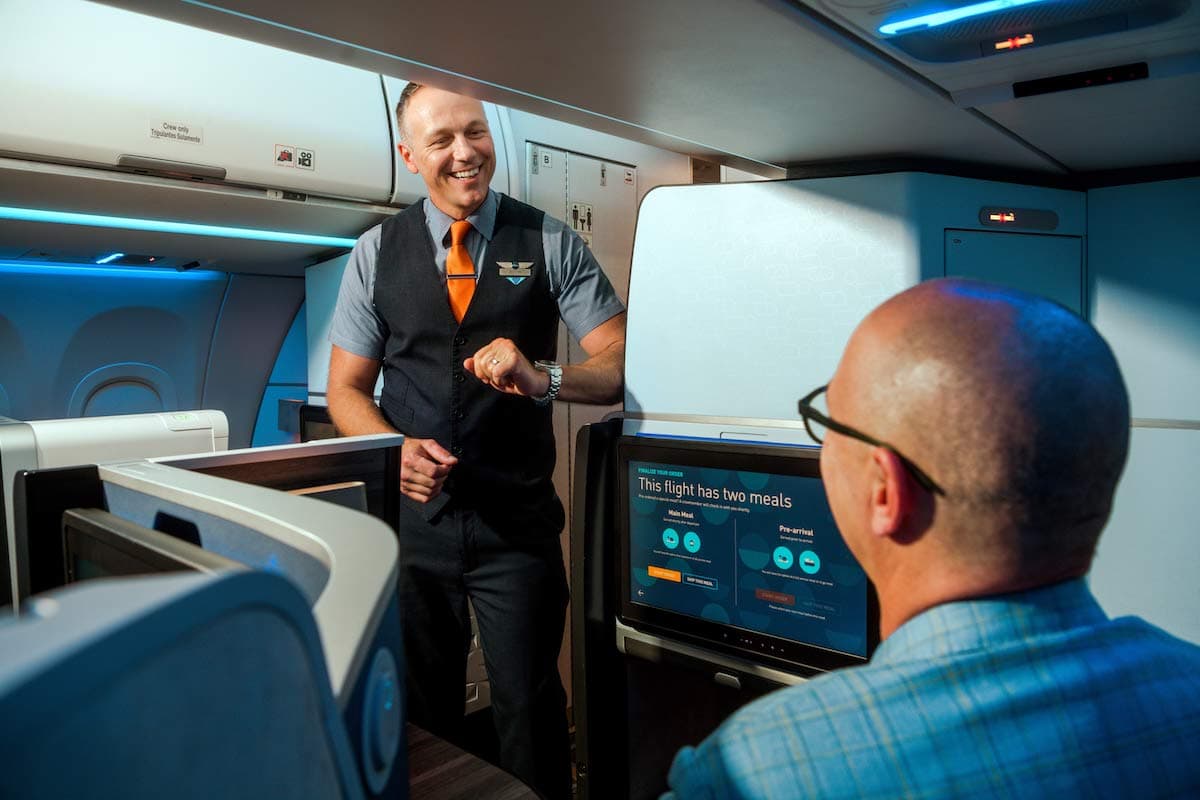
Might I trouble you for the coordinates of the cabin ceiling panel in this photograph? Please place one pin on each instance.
(43, 242)
(27, 184)
(99, 191)
(1137, 124)
(1155, 46)
(1177, 36)
(751, 79)
(1111, 127)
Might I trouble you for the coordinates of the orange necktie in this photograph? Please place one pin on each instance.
(460, 270)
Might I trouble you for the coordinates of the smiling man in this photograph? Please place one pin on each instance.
(458, 299)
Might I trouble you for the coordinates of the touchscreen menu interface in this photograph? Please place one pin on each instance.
(757, 551)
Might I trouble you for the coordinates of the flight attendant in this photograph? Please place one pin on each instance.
(457, 299)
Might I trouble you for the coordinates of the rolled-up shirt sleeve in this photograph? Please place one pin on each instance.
(585, 295)
(357, 326)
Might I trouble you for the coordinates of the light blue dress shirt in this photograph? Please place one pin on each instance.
(1035, 694)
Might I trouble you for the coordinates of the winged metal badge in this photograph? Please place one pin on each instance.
(515, 271)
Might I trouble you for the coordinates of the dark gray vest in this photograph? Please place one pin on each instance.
(504, 443)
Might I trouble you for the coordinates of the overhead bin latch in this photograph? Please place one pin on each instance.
(146, 165)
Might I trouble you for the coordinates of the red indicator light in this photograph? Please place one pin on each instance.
(1006, 216)
(1015, 42)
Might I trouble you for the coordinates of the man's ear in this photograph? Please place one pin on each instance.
(892, 493)
(406, 154)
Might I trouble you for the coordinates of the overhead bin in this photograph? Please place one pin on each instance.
(97, 86)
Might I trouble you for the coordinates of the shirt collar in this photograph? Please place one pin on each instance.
(483, 220)
(985, 622)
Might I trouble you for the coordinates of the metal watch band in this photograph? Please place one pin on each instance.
(555, 373)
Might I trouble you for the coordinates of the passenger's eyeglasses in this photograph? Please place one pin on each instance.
(817, 421)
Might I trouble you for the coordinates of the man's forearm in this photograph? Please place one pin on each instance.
(598, 381)
(354, 412)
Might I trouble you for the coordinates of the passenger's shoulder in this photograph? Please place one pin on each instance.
(814, 698)
(1134, 631)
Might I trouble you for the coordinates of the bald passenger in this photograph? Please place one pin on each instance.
(973, 439)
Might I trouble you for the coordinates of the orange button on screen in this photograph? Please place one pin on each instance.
(665, 574)
(768, 596)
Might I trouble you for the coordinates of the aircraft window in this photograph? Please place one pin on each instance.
(123, 388)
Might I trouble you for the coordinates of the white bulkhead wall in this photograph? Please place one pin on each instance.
(1144, 297)
(780, 273)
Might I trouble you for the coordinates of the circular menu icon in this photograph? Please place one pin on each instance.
(670, 538)
(810, 562)
(783, 557)
(691, 540)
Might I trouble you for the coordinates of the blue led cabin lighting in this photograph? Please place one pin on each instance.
(41, 269)
(167, 226)
(108, 259)
(952, 15)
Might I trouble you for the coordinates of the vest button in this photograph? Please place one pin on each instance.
(460, 340)
(458, 376)
(461, 415)
(456, 450)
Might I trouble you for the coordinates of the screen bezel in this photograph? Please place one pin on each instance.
(755, 646)
(373, 460)
(126, 548)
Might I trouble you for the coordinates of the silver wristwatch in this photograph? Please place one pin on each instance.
(555, 373)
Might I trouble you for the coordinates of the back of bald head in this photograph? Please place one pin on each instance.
(1014, 404)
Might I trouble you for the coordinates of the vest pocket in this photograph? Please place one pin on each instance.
(396, 412)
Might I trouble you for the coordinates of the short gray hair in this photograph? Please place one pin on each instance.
(402, 106)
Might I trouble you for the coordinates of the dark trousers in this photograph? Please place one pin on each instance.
(519, 592)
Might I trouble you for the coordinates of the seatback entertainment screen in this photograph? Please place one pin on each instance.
(734, 547)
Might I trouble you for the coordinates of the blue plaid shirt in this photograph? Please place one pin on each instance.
(1035, 694)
